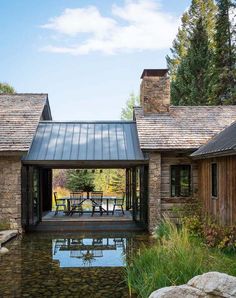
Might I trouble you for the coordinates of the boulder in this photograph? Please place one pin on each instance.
(7, 235)
(177, 292)
(215, 283)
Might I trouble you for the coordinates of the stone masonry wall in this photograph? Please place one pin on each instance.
(155, 94)
(10, 187)
(154, 200)
(160, 201)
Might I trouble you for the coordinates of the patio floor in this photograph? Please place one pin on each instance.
(118, 216)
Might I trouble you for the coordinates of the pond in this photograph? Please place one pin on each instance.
(68, 265)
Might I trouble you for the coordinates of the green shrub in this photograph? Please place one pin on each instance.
(174, 259)
(211, 233)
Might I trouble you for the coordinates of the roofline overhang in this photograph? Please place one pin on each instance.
(86, 163)
(215, 154)
(148, 150)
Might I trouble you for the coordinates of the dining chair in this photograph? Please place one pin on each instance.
(58, 203)
(119, 202)
(96, 199)
(76, 201)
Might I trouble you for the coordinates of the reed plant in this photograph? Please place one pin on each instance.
(173, 259)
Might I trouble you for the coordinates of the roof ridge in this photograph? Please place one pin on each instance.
(24, 93)
(172, 106)
(87, 121)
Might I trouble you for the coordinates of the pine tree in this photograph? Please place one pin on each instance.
(192, 79)
(205, 9)
(179, 47)
(224, 78)
(80, 180)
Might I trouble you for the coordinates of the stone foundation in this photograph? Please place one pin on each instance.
(10, 191)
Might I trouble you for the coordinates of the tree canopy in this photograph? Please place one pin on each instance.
(224, 75)
(80, 180)
(190, 86)
(6, 88)
(202, 63)
(204, 9)
(127, 111)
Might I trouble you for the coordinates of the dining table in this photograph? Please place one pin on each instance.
(108, 199)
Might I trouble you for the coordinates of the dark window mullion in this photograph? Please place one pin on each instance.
(180, 180)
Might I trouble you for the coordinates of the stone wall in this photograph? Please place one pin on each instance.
(10, 187)
(155, 94)
(171, 206)
(160, 201)
(154, 199)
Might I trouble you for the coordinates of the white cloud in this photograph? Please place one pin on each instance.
(135, 26)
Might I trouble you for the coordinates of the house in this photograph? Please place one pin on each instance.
(155, 147)
(217, 176)
(19, 118)
(168, 135)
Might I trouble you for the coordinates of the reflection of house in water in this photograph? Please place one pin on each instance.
(90, 252)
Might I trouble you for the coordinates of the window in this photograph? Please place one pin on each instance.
(214, 180)
(180, 181)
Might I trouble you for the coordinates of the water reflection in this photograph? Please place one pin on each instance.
(90, 252)
(68, 265)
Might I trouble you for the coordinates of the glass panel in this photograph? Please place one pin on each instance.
(180, 180)
(36, 200)
(214, 190)
(174, 192)
(138, 203)
(185, 181)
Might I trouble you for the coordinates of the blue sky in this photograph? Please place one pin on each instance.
(87, 55)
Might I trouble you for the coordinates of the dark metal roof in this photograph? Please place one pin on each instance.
(85, 141)
(154, 73)
(224, 143)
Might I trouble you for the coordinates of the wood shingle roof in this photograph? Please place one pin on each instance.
(184, 127)
(19, 118)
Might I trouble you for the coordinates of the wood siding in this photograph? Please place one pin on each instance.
(172, 205)
(223, 208)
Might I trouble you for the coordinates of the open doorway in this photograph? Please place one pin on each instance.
(84, 195)
(88, 194)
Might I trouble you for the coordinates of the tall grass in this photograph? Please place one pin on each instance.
(174, 259)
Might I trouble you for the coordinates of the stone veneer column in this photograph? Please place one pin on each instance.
(154, 199)
(10, 190)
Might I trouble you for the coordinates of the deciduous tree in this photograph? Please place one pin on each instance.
(6, 88)
(127, 111)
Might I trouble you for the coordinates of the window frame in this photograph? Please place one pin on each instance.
(179, 166)
(214, 193)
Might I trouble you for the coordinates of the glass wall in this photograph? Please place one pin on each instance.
(36, 195)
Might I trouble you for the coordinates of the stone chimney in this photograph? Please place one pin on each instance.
(155, 91)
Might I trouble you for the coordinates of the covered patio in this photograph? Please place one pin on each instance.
(84, 145)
